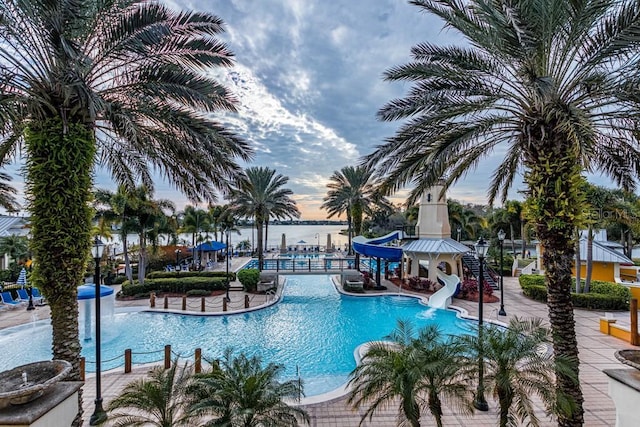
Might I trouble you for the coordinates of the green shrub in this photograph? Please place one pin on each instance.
(198, 293)
(183, 274)
(602, 295)
(531, 279)
(249, 278)
(179, 286)
(119, 280)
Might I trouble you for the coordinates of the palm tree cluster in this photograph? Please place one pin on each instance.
(428, 371)
(236, 391)
(549, 85)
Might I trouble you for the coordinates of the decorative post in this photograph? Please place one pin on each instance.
(501, 236)
(480, 403)
(99, 416)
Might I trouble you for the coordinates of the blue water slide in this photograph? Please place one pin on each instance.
(375, 247)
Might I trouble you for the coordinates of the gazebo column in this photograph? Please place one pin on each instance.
(433, 267)
(415, 265)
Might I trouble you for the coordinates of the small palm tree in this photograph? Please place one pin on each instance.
(159, 400)
(517, 368)
(240, 392)
(259, 194)
(419, 371)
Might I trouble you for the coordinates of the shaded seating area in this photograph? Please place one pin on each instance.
(267, 281)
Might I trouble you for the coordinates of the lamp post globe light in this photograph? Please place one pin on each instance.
(480, 403)
(99, 415)
(459, 230)
(501, 236)
(178, 252)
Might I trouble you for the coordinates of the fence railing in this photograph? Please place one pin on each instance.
(308, 264)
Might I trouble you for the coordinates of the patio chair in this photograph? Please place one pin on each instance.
(7, 298)
(36, 294)
(24, 296)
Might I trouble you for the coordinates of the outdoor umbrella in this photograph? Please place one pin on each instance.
(22, 278)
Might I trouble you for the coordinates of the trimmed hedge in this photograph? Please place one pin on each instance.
(182, 274)
(602, 295)
(183, 285)
(249, 278)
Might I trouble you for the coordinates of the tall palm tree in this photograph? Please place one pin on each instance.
(119, 84)
(159, 400)
(259, 194)
(239, 391)
(351, 191)
(554, 82)
(148, 213)
(7, 192)
(420, 372)
(516, 370)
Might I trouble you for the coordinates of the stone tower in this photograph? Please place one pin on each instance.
(433, 216)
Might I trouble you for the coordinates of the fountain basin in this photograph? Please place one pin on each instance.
(28, 382)
(629, 357)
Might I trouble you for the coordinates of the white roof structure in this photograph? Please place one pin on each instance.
(435, 246)
(602, 253)
(13, 226)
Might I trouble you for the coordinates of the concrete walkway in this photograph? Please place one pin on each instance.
(596, 353)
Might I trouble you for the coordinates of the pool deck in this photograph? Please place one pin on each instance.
(596, 353)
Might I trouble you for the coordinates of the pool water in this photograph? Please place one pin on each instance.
(313, 330)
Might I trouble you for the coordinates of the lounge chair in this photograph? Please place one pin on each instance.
(24, 296)
(7, 298)
(36, 294)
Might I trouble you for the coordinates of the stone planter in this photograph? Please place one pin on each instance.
(624, 388)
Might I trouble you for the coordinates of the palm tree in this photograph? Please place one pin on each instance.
(194, 220)
(148, 214)
(351, 191)
(554, 82)
(239, 391)
(516, 369)
(7, 193)
(17, 247)
(159, 400)
(259, 194)
(118, 84)
(419, 371)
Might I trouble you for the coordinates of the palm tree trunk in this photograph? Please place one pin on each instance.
(266, 234)
(587, 278)
(578, 264)
(128, 271)
(260, 244)
(59, 188)
(142, 258)
(554, 202)
(435, 407)
(504, 400)
(523, 237)
(513, 242)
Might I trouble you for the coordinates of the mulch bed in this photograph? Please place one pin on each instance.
(471, 297)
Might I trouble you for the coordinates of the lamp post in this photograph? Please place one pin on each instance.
(227, 263)
(501, 236)
(178, 252)
(99, 415)
(480, 403)
(318, 239)
(459, 231)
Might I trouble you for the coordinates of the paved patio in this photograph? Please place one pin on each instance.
(596, 354)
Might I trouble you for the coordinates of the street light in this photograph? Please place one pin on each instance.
(459, 231)
(99, 415)
(501, 236)
(178, 252)
(227, 263)
(480, 403)
(318, 238)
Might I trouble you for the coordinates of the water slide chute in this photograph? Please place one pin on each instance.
(374, 248)
(442, 298)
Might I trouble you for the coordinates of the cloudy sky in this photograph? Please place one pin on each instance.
(308, 76)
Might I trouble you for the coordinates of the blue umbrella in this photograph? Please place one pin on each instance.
(22, 278)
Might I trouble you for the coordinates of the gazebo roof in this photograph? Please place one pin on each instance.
(435, 246)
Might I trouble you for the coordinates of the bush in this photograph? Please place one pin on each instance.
(469, 288)
(119, 280)
(249, 278)
(182, 274)
(183, 285)
(601, 296)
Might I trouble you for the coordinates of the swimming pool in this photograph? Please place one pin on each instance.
(314, 330)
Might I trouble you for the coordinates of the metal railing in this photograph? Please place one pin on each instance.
(308, 264)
